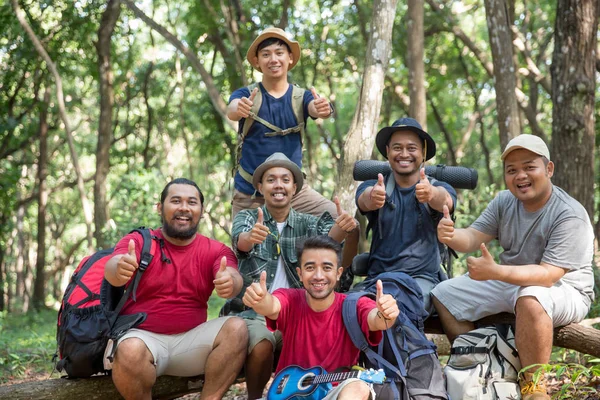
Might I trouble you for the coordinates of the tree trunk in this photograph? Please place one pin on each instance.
(504, 70)
(37, 300)
(416, 67)
(213, 92)
(361, 135)
(87, 212)
(105, 133)
(573, 88)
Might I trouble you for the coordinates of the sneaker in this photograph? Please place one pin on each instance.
(532, 390)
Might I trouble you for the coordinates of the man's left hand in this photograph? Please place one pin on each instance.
(223, 282)
(424, 189)
(321, 105)
(344, 220)
(482, 268)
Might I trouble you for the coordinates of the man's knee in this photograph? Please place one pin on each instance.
(234, 331)
(356, 390)
(530, 307)
(132, 355)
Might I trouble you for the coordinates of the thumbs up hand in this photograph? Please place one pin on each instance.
(256, 292)
(127, 265)
(344, 220)
(483, 268)
(377, 194)
(321, 105)
(259, 231)
(245, 104)
(223, 281)
(387, 306)
(445, 228)
(424, 189)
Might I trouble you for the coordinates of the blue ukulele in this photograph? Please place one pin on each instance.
(296, 381)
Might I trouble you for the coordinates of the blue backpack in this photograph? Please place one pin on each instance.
(408, 358)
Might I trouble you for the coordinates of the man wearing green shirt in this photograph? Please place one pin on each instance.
(265, 239)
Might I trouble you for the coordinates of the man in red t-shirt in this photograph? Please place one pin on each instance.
(310, 319)
(175, 339)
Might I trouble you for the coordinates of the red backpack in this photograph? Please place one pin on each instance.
(89, 313)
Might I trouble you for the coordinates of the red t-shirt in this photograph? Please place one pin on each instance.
(175, 295)
(318, 338)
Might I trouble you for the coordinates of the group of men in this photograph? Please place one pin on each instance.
(288, 240)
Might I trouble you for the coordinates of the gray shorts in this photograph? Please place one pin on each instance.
(335, 392)
(183, 354)
(470, 300)
(307, 201)
(258, 331)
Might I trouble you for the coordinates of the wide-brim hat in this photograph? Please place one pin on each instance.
(278, 160)
(278, 33)
(404, 124)
(533, 143)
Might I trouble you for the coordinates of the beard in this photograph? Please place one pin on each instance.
(176, 233)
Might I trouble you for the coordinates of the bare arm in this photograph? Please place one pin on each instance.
(440, 198)
(485, 268)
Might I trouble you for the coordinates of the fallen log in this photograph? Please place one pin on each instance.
(95, 388)
(581, 338)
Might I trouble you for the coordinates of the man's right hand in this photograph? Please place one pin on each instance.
(259, 231)
(245, 104)
(127, 265)
(256, 292)
(445, 228)
(377, 195)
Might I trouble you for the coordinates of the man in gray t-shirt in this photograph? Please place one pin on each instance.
(544, 276)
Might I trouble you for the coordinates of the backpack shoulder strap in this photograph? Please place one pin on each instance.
(507, 350)
(298, 106)
(257, 102)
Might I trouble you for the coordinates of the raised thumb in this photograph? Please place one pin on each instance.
(131, 248)
(446, 212)
(314, 92)
(338, 207)
(423, 177)
(253, 94)
(263, 280)
(379, 286)
(484, 251)
(380, 179)
(223, 265)
(260, 219)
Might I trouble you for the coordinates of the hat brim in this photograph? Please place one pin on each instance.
(293, 45)
(383, 137)
(289, 165)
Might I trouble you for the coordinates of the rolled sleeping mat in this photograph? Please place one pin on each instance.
(456, 176)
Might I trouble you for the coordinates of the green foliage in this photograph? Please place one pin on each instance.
(576, 381)
(27, 344)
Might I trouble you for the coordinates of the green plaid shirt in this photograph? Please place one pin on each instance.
(265, 256)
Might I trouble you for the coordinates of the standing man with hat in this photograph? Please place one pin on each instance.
(404, 208)
(545, 273)
(265, 239)
(273, 115)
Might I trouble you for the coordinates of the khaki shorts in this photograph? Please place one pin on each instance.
(335, 392)
(183, 354)
(470, 300)
(258, 331)
(307, 201)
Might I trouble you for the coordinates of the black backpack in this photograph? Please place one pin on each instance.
(408, 358)
(89, 312)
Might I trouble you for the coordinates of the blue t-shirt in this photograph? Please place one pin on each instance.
(258, 147)
(404, 238)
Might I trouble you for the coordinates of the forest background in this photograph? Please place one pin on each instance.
(103, 102)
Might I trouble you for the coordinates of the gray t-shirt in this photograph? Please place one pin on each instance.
(560, 234)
